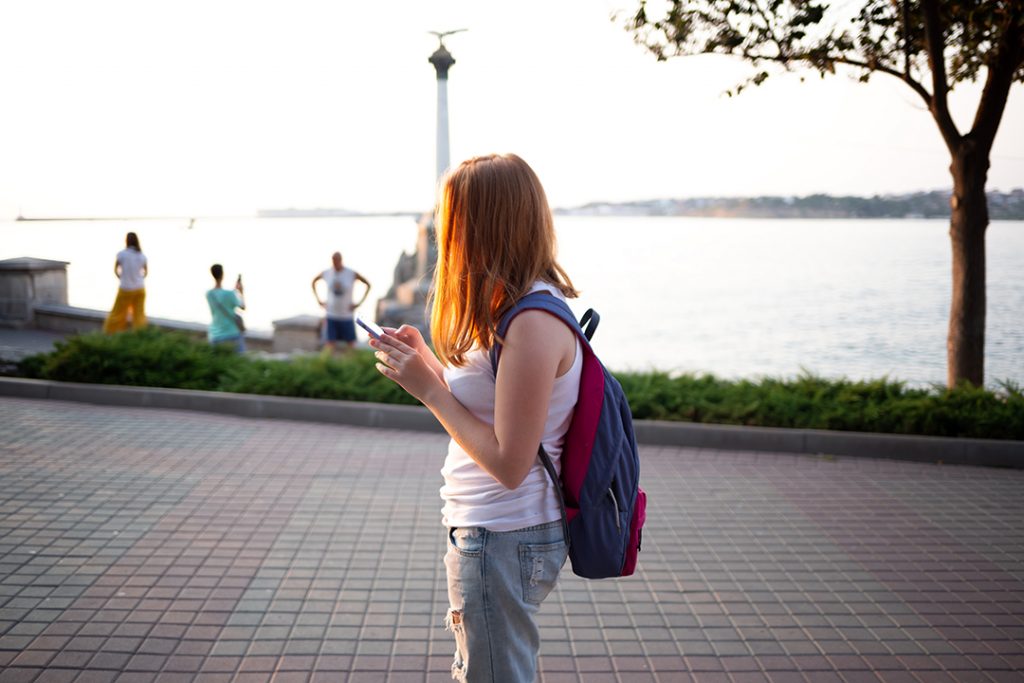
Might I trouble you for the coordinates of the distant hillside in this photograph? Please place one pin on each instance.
(1001, 206)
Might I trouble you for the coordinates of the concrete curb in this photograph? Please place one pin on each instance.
(354, 413)
(936, 449)
(954, 451)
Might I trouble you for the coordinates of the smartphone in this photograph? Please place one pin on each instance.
(372, 328)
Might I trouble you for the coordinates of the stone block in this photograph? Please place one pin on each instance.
(68, 319)
(26, 282)
(298, 333)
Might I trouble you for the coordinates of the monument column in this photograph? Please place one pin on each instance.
(404, 303)
(442, 61)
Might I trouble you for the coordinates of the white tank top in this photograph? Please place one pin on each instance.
(339, 292)
(472, 497)
(132, 262)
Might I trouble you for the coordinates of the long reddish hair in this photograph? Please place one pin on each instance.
(495, 239)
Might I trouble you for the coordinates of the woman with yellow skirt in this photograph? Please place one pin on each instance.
(131, 269)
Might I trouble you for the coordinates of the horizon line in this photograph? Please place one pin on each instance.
(348, 213)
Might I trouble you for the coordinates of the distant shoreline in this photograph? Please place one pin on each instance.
(273, 213)
(332, 213)
(917, 205)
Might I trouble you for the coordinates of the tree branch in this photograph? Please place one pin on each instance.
(905, 77)
(905, 18)
(1009, 56)
(937, 64)
(849, 61)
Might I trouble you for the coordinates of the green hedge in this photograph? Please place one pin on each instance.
(153, 357)
(158, 358)
(811, 402)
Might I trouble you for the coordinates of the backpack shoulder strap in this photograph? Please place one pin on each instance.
(554, 306)
(561, 310)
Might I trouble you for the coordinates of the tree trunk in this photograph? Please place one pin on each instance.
(965, 346)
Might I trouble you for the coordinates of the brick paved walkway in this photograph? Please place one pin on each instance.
(148, 545)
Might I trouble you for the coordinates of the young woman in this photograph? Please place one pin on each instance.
(131, 269)
(496, 243)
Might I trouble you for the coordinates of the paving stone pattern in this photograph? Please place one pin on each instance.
(143, 545)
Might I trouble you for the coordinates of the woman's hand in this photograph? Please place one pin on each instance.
(412, 337)
(406, 365)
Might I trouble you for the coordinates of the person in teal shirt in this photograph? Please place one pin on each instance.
(223, 302)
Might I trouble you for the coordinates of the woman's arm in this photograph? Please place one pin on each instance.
(537, 346)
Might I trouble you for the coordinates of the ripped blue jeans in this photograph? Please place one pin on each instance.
(496, 583)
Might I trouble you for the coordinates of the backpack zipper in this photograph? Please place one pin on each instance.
(615, 502)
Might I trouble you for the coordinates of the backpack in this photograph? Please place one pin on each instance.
(603, 506)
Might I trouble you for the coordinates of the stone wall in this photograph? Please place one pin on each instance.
(25, 283)
(73, 320)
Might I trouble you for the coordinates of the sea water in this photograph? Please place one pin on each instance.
(733, 297)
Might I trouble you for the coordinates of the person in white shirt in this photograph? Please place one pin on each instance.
(340, 322)
(131, 268)
(496, 244)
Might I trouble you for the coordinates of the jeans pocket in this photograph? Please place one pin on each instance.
(466, 541)
(539, 565)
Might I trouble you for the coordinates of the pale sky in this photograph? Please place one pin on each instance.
(215, 107)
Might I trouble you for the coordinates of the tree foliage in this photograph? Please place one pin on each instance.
(931, 45)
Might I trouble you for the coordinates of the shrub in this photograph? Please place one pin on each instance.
(352, 377)
(152, 357)
(810, 402)
(159, 358)
(146, 357)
